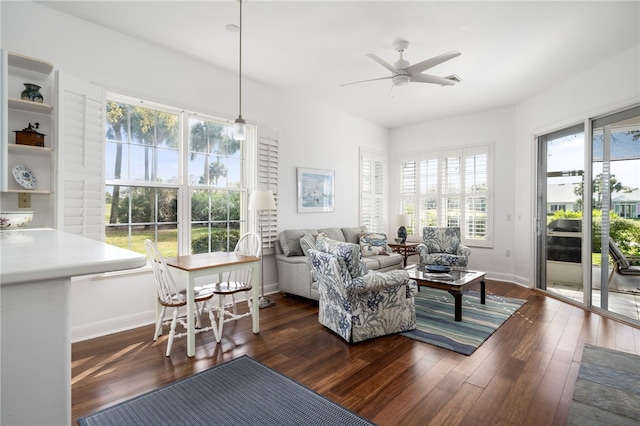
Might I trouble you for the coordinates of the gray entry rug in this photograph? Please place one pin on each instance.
(239, 392)
(608, 388)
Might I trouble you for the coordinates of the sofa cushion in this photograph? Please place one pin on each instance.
(389, 261)
(374, 244)
(352, 235)
(290, 241)
(333, 233)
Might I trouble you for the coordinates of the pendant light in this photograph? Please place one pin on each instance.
(240, 126)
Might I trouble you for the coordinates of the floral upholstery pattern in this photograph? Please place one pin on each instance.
(443, 246)
(358, 308)
(374, 243)
(353, 261)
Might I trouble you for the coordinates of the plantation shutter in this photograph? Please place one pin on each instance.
(372, 191)
(268, 179)
(80, 157)
(476, 189)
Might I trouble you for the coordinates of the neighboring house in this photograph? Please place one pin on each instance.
(627, 204)
(562, 196)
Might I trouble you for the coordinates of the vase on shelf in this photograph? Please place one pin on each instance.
(31, 93)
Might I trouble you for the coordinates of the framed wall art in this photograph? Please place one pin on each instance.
(315, 190)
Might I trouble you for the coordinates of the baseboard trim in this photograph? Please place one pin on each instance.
(128, 322)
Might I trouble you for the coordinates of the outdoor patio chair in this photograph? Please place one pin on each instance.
(622, 265)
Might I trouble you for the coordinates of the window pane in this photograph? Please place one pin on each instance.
(476, 218)
(476, 173)
(135, 213)
(429, 176)
(215, 158)
(452, 175)
(408, 176)
(214, 214)
(452, 212)
(134, 136)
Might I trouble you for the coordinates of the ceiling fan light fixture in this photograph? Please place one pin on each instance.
(401, 80)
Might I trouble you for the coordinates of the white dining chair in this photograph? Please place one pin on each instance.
(170, 298)
(235, 282)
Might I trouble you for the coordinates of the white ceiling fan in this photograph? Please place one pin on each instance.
(404, 73)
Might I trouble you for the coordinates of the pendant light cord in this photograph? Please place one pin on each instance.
(240, 67)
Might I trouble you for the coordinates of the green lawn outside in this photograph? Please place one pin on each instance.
(167, 239)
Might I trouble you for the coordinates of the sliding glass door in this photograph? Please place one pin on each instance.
(588, 213)
(559, 216)
(615, 215)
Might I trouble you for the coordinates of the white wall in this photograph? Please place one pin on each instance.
(310, 135)
(495, 127)
(609, 86)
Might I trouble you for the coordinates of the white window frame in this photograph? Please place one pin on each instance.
(183, 185)
(422, 185)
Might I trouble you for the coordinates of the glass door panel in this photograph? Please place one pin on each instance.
(560, 186)
(616, 213)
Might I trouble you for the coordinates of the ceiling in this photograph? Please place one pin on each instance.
(510, 50)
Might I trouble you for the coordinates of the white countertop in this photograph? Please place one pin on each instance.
(28, 255)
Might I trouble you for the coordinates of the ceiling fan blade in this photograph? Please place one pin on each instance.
(429, 63)
(383, 63)
(425, 78)
(364, 81)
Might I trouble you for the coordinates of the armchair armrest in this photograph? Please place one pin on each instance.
(376, 281)
(422, 249)
(463, 250)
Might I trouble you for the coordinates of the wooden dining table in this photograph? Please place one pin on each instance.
(189, 267)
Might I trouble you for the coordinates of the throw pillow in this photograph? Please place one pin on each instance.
(307, 242)
(373, 244)
(290, 241)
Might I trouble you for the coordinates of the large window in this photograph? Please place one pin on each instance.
(173, 177)
(448, 188)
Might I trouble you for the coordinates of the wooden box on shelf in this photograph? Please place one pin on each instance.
(29, 136)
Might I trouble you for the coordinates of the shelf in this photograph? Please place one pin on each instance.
(39, 151)
(30, 106)
(29, 191)
(28, 63)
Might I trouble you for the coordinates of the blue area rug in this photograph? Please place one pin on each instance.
(436, 324)
(239, 392)
(607, 391)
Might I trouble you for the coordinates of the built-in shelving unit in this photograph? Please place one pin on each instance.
(16, 115)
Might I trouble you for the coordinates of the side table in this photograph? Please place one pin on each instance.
(404, 249)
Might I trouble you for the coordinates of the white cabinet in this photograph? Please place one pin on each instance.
(17, 114)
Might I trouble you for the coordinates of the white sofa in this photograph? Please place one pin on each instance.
(294, 271)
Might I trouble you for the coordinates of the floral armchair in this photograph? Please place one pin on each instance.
(357, 304)
(442, 246)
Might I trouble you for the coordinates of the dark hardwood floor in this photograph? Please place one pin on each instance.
(524, 373)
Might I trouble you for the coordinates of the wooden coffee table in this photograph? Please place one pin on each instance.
(454, 282)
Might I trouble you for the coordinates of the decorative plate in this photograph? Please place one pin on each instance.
(438, 268)
(25, 177)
